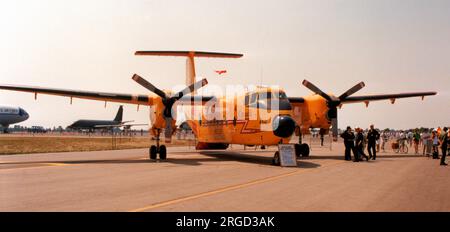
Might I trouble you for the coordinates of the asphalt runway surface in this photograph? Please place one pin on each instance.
(231, 180)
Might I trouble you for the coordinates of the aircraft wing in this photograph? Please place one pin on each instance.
(119, 125)
(99, 96)
(106, 126)
(189, 100)
(391, 97)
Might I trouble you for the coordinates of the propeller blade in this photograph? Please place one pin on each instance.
(316, 90)
(352, 90)
(149, 86)
(190, 89)
(168, 130)
(334, 128)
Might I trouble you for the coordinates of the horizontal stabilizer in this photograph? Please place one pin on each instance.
(189, 53)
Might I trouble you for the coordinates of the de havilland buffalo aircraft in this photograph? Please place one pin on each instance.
(264, 116)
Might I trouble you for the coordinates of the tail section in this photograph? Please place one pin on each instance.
(119, 115)
(190, 64)
(190, 70)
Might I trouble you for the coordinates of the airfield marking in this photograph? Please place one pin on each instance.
(40, 165)
(44, 164)
(226, 189)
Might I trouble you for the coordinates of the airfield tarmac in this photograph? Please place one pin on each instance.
(231, 180)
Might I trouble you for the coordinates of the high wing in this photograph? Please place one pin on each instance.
(190, 100)
(99, 96)
(391, 97)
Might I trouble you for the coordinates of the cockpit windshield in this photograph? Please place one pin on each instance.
(279, 95)
(265, 99)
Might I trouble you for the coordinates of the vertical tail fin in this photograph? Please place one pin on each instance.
(190, 70)
(119, 115)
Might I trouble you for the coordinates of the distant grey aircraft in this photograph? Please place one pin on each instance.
(11, 115)
(102, 124)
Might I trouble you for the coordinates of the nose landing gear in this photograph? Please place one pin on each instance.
(158, 149)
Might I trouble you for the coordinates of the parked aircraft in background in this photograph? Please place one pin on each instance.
(11, 115)
(86, 124)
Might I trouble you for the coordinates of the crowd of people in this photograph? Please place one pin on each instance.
(434, 142)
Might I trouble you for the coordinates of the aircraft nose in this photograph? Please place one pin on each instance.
(283, 126)
(24, 113)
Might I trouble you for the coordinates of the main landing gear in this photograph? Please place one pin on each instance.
(302, 150)
(276, 159)
(158, 149)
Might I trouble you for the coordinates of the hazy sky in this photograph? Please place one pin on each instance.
(393, 46)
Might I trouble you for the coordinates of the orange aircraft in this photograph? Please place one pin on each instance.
(265, 116)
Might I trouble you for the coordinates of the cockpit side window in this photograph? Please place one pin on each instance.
(265, 96)
(279, 95)
(253, 98)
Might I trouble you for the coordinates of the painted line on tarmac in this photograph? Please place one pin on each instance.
(37, 165)
(228, 188)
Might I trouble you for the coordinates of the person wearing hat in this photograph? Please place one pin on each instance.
(349, 142)
(444, 145)
(372, 137)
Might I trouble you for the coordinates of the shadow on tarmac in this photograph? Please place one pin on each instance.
(210, 156)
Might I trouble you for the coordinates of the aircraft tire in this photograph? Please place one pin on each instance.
(153, 152)
(304, 150)
(162, 152)
(298, 151)
(276, 159)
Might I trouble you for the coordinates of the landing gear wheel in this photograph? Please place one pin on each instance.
(153, 151)
(305, 149)
(162, 152)
(302, 150)
(297, 150)
(276, 159)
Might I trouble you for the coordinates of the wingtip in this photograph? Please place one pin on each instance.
(135, 77)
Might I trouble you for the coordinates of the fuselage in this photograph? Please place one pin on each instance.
(261, 117)
(12, 115)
